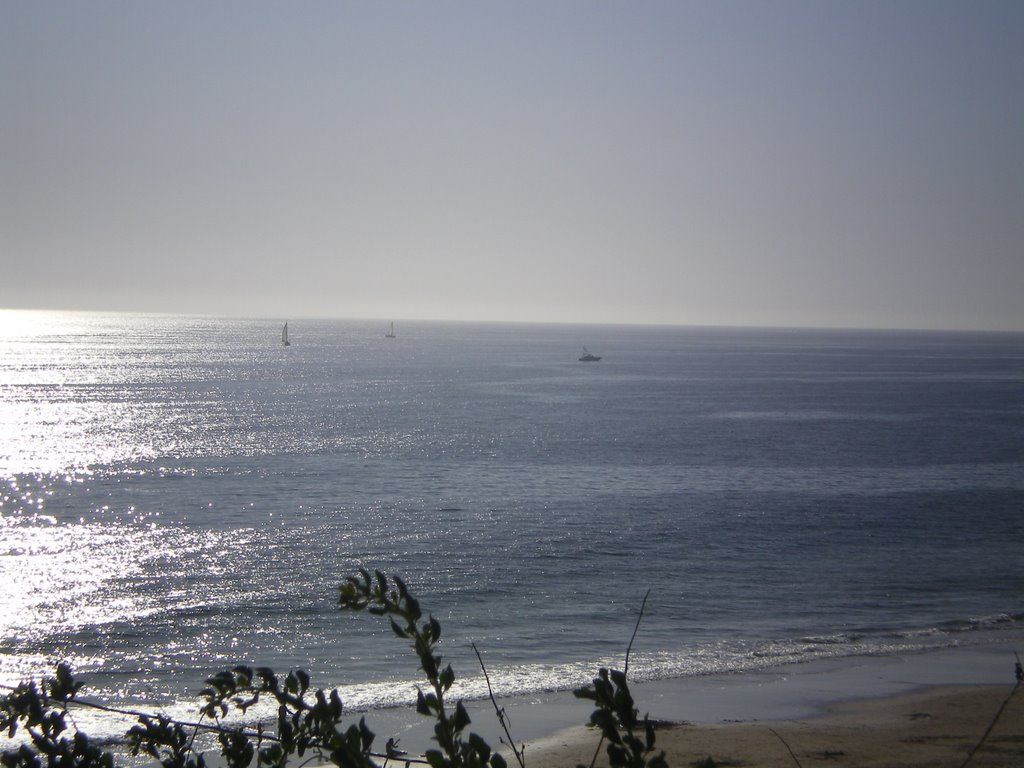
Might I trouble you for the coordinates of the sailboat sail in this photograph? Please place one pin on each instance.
(391, 334)
(284, 336)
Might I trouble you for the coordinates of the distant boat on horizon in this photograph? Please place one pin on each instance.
(586, 357)
(390, 334)
(284, 336)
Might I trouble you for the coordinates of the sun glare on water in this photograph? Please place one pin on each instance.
(58, 576)
(62, 386)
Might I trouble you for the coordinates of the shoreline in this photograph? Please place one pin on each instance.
(805, 694)
(913, 710)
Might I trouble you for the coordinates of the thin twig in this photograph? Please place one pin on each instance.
(195, 732)
(970, 755)
(520, 757)
(786, 745)
(137, 714)
(625, 668)
(597, 751)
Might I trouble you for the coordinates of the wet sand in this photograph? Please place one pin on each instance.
(936, 727)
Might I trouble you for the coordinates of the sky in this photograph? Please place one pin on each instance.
(785, 163)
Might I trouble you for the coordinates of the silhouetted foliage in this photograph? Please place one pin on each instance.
(39, 713)
(630, 739)
(309, 722)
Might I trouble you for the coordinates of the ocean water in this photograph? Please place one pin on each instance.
(182, 494)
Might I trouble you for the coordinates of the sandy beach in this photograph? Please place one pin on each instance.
(907, 710)
(900, 711)
(936, 727)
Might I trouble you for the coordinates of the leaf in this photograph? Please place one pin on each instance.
(413, 607)
(606, 723)
(429, 664)
(481, 747)
(617, 755)
(421, 704)
(461, 717)
(268, 677)
(447, 678)
(365, 734)
(391, 749)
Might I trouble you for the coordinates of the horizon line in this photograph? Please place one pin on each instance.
(492, 321)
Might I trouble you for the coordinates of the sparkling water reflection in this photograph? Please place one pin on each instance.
(184, 494)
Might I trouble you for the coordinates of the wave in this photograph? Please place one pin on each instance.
(515, 680)
(715, 658)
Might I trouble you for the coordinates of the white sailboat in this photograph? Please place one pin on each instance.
(390, 334)
(284, 336)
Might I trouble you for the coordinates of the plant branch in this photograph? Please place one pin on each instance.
(786, 745)
(502, 718)
(197, 726)
(999, 713)
(625, 667)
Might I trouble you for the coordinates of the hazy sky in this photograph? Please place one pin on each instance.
(819, 163)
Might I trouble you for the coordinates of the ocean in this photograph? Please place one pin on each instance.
(183, 494)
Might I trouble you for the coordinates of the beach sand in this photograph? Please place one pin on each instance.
(906, 710)
(936, 727)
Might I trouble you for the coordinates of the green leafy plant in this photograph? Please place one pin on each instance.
(40, 714)
(382, 596)
(309, 723)
(630, 739)
(617, 717)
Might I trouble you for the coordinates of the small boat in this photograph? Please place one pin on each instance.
(390, 334)
(586, 357)
(284, 336)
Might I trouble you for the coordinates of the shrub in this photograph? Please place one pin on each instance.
(308, 722)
